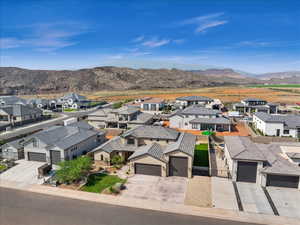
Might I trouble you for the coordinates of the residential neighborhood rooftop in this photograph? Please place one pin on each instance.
(19, 110)
(194, 98)
(198, 110)
(290, 121)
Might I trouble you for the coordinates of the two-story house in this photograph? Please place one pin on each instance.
(277, 125)
(59, 143)
(122, 118)
(152, 150)
(11, 100)
(197, 117)
(72, 101)
(253, 105)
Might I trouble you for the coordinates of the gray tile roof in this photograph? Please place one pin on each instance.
(243, 148)
(199, 110)
(115, 144)
(154, 150)
(127, 110)
(64, 137)
(277, 164)
(186, 143)
(194, 98)
(253, 100)
(20, 110)
(142, 118)
(17, 144)
(152, 132)
(217, 120)
(10, 100)
(290, 121)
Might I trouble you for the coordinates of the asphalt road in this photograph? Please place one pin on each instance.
(25, 208)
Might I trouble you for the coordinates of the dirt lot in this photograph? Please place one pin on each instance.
(225, 94)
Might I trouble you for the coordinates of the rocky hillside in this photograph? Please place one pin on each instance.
(22, 81)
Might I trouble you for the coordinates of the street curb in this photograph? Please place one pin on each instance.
(155, 205)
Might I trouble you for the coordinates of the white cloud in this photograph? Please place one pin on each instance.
(139, 38)
(46, 37)
(156, 43)
(205, 22)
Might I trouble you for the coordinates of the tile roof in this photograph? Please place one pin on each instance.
(152, 132)
(10, 100)
(142, 118)
(243, 148)
(199, 110)
(20, 110)
(290, 121)
(186, 143)
(75, 97)
(115, 144)
(194, 98)
(153, 100)
(253, 100)
(154, 150)
(64, 136)
(217, 120)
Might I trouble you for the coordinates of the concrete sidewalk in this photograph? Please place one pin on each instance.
(155, 205)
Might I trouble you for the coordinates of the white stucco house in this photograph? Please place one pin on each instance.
(277, 125)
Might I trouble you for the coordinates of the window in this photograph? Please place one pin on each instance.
(130, 141)
(35, 143)
(286, 131)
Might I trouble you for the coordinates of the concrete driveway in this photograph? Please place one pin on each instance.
(167, 189)
(223, 195)
(253, 198)
(24, 173)
(286, 201)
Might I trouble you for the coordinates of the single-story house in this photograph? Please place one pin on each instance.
(59, 143)
(152, 150)
(123, 118)
(11, 100)
(39, 103)
(274, 164)
(193, 100)
(277, 125)
(12, 150)
(197, 117)
(19, 113)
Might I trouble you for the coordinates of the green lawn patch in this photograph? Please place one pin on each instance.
(2, 167)
(70, 110)
(201, 155)
(98, 182)
(207, 133)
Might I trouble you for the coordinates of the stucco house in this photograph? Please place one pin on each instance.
(274, 164)
(39, 103)
(72, 101)
(152, 150)
(12, 150)
(253, 105)
(277, 125)
(18, 114)
(193, 100)
(197, 117)
(59, 143)
(11, 100)
(122, 118)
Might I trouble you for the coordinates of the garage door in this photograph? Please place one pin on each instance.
(178, 166)
(55, 157)
(246, 171)
(147, 169)
(282, 181)
(36, 156)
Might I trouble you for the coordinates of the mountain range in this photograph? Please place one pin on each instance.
(15, 80)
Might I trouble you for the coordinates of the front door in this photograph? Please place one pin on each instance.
(278, 132)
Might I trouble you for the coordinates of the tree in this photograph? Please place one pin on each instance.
(117, 160)
(73, 170)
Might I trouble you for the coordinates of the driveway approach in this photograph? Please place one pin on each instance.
(167, 189)
(25, 172)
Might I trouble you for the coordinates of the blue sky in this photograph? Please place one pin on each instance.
(250, 35)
